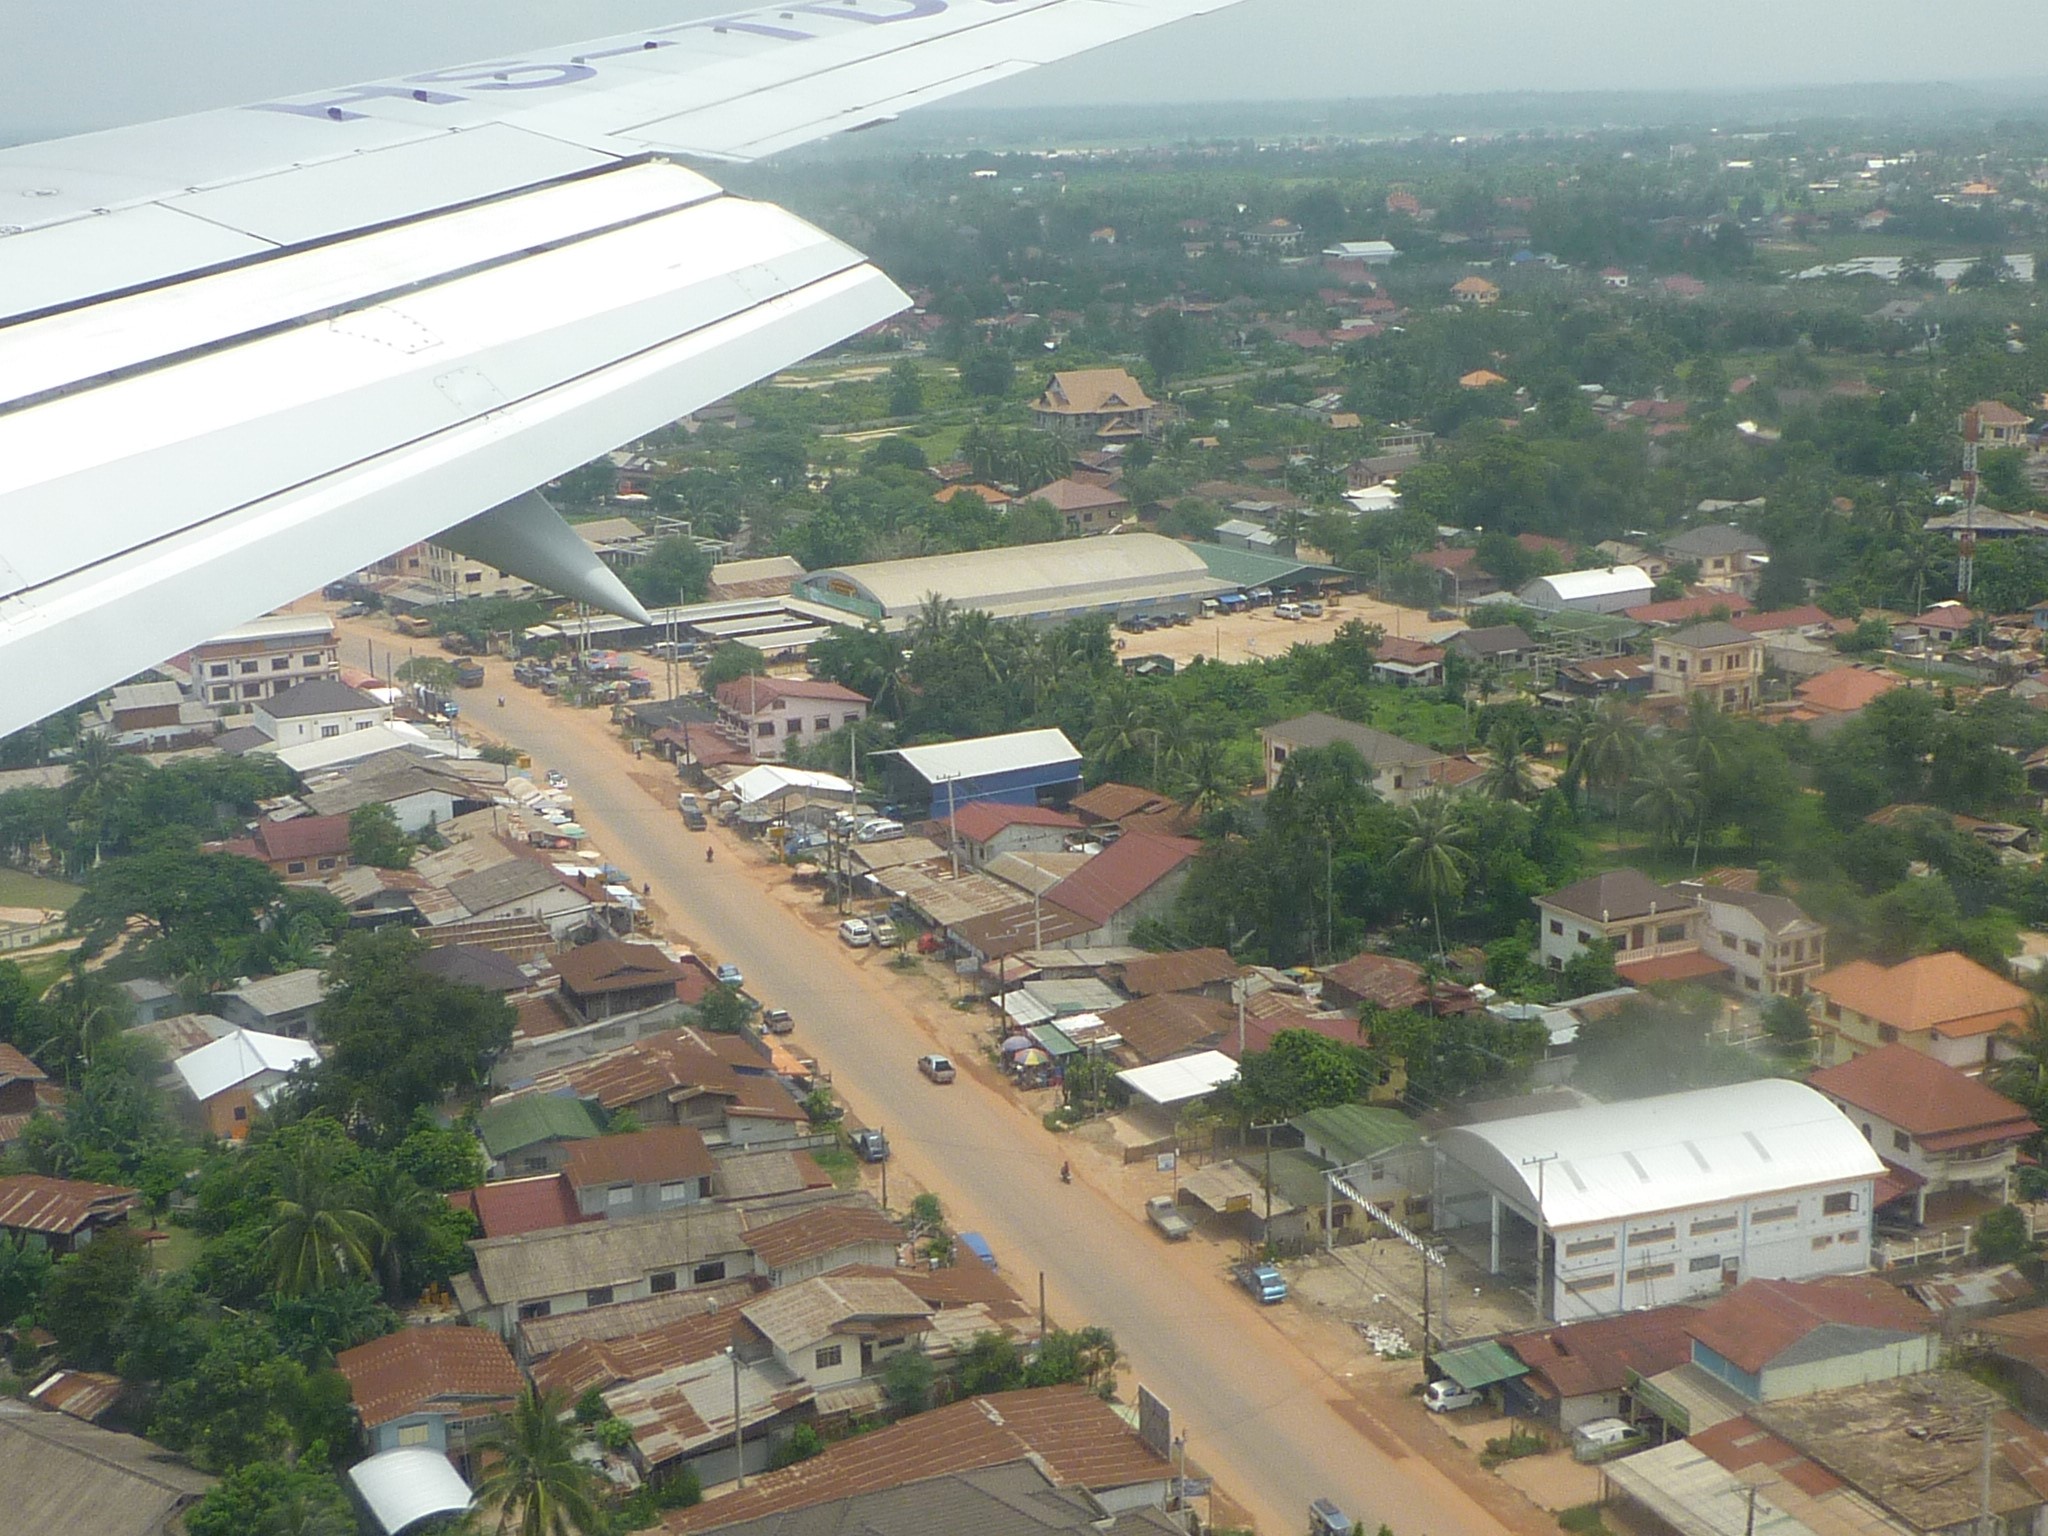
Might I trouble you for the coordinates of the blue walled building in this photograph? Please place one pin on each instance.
(1022, 768)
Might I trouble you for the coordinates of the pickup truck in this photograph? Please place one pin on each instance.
(1164, 1213)
(1263, 1281)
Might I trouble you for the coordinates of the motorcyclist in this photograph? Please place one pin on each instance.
(708, 852)
(1066, 1173)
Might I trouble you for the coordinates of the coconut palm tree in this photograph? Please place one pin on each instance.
(317, 1238)
(2023, 1074)
(1609, 749)
(1432, 858)
(1668, 796)
(1204, 778)
(1120, 731)
(537, 1486)
(403, 1212)
(1507, 777)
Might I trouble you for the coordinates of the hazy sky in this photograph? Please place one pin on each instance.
(68, 67)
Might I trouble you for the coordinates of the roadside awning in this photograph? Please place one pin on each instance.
(1478, 1366)
(403, 1486)
(1053, 1040)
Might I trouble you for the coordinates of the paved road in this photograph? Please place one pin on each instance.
(1269, 1422)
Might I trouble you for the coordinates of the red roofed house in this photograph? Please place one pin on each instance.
(20, 1080)
(1943, 1005)
(1386, 981)
(1843, 690)
(1684, 610)
(1656, 930)
(1578, 1371)
(1954, 1136)
(508, 1207)
(433, 1387)
(1136, 877)
(1816, 623)
(297, 848)
(640, 1173)
(1408, 663)
(1459, 574)
(768, 714)
(62, 1214)
(1773, 1339)
(982, 829)
(612, 977)
(1086, 508)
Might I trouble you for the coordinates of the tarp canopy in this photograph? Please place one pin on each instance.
(404, 1486)
(770, 780)
(1477, 1366)
(1181, 1079)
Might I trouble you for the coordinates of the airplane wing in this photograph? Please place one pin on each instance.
(248, 351)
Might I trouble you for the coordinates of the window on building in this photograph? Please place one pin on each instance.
(1728, 695)
(1589, 1245)
(708, 1274)
(1901, 1142)
(1671, 933)
(1712, 1224)
(222, 695)
(1832, 1009)
(1556, 926)
(309, 661)
(247, 667)
(1752, 984)
(252, 690)
(327, 863)
(765, 728)
(1703, 1263)
(217, 669)
(676, 1189)
(851, 718)
(1826, 1240)
(1664, 662)
(528, 1310)
(412, 1434)
(1583, 1283)
(598, 1296)
(618, 1194)
(1706, 663)
(1635, 936)
(1647, 1272)
(1773, 1213)
(241, 1111)
(328, 732)
(704, 1187)
(662, 1283)
(1887, 1035)
(1753, 949)
(822, 724)
(1662, 1234)
(1727, 941)
(1585, 937)
(828, 1357)
(473, 578)
(280, 663)
(793, 728)
(1840, 1204)
(296, 867)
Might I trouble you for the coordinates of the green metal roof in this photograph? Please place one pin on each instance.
(1054, 1041)
(533, 1118)
(1244, 568)
(1475, 1366)
(1353, 1132)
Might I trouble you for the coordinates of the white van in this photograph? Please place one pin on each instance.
(856, 934)
(877, 829)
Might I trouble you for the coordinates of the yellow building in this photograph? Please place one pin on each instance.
(1714, 658)
(1946, 1006)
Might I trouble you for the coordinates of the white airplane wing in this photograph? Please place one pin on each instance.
(248, 351)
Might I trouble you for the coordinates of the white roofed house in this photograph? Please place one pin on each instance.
(235, 1078)
(1600, 591)
(278, 1005)
(1661, 1199)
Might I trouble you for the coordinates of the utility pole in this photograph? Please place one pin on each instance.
(1540, 1164)
(739, 1447)
(885, 1170)
(1041, 1307)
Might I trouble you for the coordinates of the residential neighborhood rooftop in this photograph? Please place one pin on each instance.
(463, 1372)
(1938, 1106)
(1943, 991)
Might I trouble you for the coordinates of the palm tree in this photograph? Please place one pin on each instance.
(1668, 794)
(1507, 776)
(1609, 749)
(1119, 732)
(85, 1012)
(537, 1487)
(403, 1213)
(316, 1237)
(934, 619)
(2023, 1074)
(1432, 857)
(1204, 779)
(1705, 742)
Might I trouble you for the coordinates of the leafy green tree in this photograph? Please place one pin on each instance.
(907, 1380)
(991, 1363)
(536, 1486)
(1787, 1021)
(1163, 337)
(801, 1445)
(195, 901)
(906, 388)
(988, 372)
(24, 1273)
(89, 1293)
(375, 839)
(1301, 1070)
(675, 571)
(2001, 1236)
(1667, 795)
(440, 1158)
(1081, 1356)
(273, 1498)
(318, 1238)
(925, 1212)
(400, 1039)
(729, 663)
(723, 1010)
(432, 672)
(316, 1327)
(1507, 776)
(242, 1402)
(1591, 969)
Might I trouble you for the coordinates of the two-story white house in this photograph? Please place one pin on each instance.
(1951, 1141)
(317, 710)
(1771, 945)
(1640, 918)
(835, 1329)
(640, 1173)
(770, 715)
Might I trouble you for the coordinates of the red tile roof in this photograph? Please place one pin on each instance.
(1413, 653)
(32, 1202)
(1948, 993)
(15, 1067)
(466, 1373)
(1782, 619)
(1080, 1439)
(749, 693)
(1739, 1443)
(613, 965)
(1120, 874)
(1760, 1319)
(1180, 970)
(819, 1231)
(303, 837)
(1694, 965)
(1844, 690)
(1448, 559)
(653, 1156)
(1940, 1107)
(980, 820)
(1597, 1356)
(512, 1206)
(605, 1363)
(1683, 610)
(1386, 981)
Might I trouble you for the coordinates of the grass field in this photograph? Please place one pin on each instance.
(19, 889)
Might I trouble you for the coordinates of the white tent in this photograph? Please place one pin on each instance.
(1181, 1079)
(772, 780)
(403, 1486)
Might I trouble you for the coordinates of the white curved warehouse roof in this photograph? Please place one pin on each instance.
(1574, 586)
(1030, 578)
(1615, 1161)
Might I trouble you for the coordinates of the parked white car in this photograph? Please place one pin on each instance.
(856, 933)
(1287, 611)
(1446, 1396)
(877, 829)
(1311, 610)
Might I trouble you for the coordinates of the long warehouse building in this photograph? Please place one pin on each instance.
(1119, 575)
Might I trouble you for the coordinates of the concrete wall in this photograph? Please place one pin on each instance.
(641, 1199)
(527, 1057)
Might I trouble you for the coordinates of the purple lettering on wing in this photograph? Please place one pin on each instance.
(335, 108)
(513, 76)
(913, 9)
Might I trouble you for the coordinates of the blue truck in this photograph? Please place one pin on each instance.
(1264, 1282)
